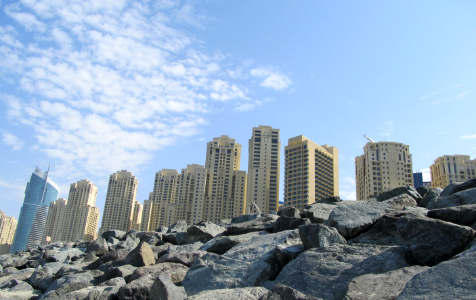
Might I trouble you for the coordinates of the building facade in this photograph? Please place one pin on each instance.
(417, 179)
(452, 168)
(76, 218)
(8, 225)
(311, 172)
(384, 166)
(119, 205)
(264, 156)
(39, 193)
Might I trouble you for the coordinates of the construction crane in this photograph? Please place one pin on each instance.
(369, 138)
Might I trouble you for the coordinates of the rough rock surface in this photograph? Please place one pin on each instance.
(69, 283)
(461, 198)
(136, 290)
(203, 232)
(175, 271)
(409, 190)
(247, 293)
(318, 212)
(186, 258)
(431, 196)
(141, 256)
(289, 223)
(117, 234)
(264, 223)
(462, 215)
(470, 184)
(108, 257)
(290, 212)
(319, 235)
(449, 189)
(164, 288)
(283, 292)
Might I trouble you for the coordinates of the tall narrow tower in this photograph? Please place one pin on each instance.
(263, 168)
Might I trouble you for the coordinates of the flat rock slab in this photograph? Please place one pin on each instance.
(21, 275)
(289, 223)
(69, 283)
(462, 215)
(327, 271)
(351, 220)
(408, 190)
(386, 286)
(453, 279)
(185, 259)
(265, 223)
(117, 234)
(25, 295)
(247, 293)
(222, 244)
(176, 271)
(283, 292)
(465, 197)
(470, 184)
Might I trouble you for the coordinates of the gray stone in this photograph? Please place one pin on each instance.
(289, 249)
(24, 295)
(245, 218)
(416, 210)
(9, 270)
(326, 272)
(318, 212)
(175, 271)
(154, 241)
(283, 292)
(423, 190)
(117, 234)
(15, 285)
(386, 286)
(161, 230)
(203, 232)
(41, 278)
(128, 243)
(470, 184)
(69, 283)
(63, 255)
(141, 256)
(249, 263)
(160, 250)
(99, 247)
(453, 279)
(164, 289)
(21, 275)
(247, 293)
(462, 215)
(330, 200)
(383, 232)
(465, 197)
(449, 189)
(184, 248)
(92, 292)
(122, 271)
(285, 223)
(351, 220)
(432, 195)
(144, 235)
(221, 244)
(112, 241)
(433, 241)
(110, 256)
(116, 281)
(264, 223)
(180, 226)
(14, 261)
(176, 238)
(290, 212)
(186, 258)
(319, 235)
(138, 289)
(409, 190)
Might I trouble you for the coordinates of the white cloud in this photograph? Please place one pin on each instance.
(15, 193)
(272, 79)
(468, 137)
(13, 141)
(387, 128)
(28, 20)
(426, 174)
(251, 105)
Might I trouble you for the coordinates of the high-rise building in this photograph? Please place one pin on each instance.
(384, 166)
(311, 172)
(137, 216)
(417, 179)
(263, 169)
(39, 193)
(76, 218)
(452, 168)
(120, 199)
(8, 225)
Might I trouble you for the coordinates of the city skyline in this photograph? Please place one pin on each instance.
(93, 98)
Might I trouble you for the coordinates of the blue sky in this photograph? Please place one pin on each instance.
(99, 86)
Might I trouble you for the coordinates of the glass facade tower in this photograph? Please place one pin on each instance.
(39, 193)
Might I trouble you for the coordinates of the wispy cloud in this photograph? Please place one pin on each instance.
(274, 80)
(426, 174)
(13, 141)
(347, 188)
(251, 105)
(387, 128)
(468, 137)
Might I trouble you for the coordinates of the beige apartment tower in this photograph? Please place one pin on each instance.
(76, 218)
(384, 166)
(120, 202)
(311, 172)
(8, 226)
(452, 168)
(264, 155)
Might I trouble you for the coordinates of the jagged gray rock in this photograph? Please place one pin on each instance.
(176, 233)
(141, 256)
(289, 249)
(185, 258)
(41, 278)
(221, 244)
(203, 232)
(99, 247)
(319, 235)
(283, 292)
(326, 272)
(417, 210)
(68, 283)
(453, 279)
(351, 220)
(318, 212)
(423, 190)
(245, 218)
(174, 270)
(14, 261)
(160, 250)
(383, 232)
(16, 286)
(138, 289)
(289, 223)
(23, 295)
(470, 184)
(264, 223)
(290, 212)
(247, 293)
(128, 243)
(465, 197)
(163, 288)
(117, 234)
(21, 275)
(431, 196)
(116, 255)
(449, 189)
(409, 190)
(122, 271)
(386, 286)
(116, 281)
(462, 215)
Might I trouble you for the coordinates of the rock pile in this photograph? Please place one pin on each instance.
(409, 244)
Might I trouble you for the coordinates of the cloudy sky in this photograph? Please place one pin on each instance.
(99, 86)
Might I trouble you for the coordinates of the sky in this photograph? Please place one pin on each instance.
(94, 87)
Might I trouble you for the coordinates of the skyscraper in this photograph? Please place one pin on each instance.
(311, 172)
(263, 168)
(384, 166)
(39, 193)
(76, 218)
(120, 199)
(8, 226)
(452, 168)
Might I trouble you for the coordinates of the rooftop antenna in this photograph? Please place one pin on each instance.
(46, 181)
(365, 136)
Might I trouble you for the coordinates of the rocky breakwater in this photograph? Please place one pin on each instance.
(409, 244)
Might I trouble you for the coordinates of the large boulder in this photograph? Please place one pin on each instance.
(41, 278)
(318, 212)
(175, 271)
(21, 275)
(386, 286)
(319, 235)
(433, 241)
(15, 260)
(122, 271)
(245, 218)
(290, 212)
(117, 234)
(432, 195)
(409, 190)
(186, 258)
(112, 256)
(21, 295)
(351, 220)
(289, 223)
(203, 232)
(289, 249)
(160, 250)
(423, 190)
(141, 256)
(92, 292)
(247, 293)
(69, 283)
(184, 248)
(330, 200)
(176, 233)
(470, 184)
(264, 223)
(221, 244)
(99, 247)
(453, 279)
(448, 190)
(249, 263)
(465, 197)
(15, 286)
(163, 288)
(326, 272)
(283, 292)
(462, 215)
(138, 289)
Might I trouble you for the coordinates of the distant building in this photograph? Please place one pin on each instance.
(427, 183)
(417, 179)
(39, 193)
(264, 155)
(311, 172)
(384, 166)
(137, 216)
(452, 168)
(76, 218)
(8, 226)
(120, 202)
